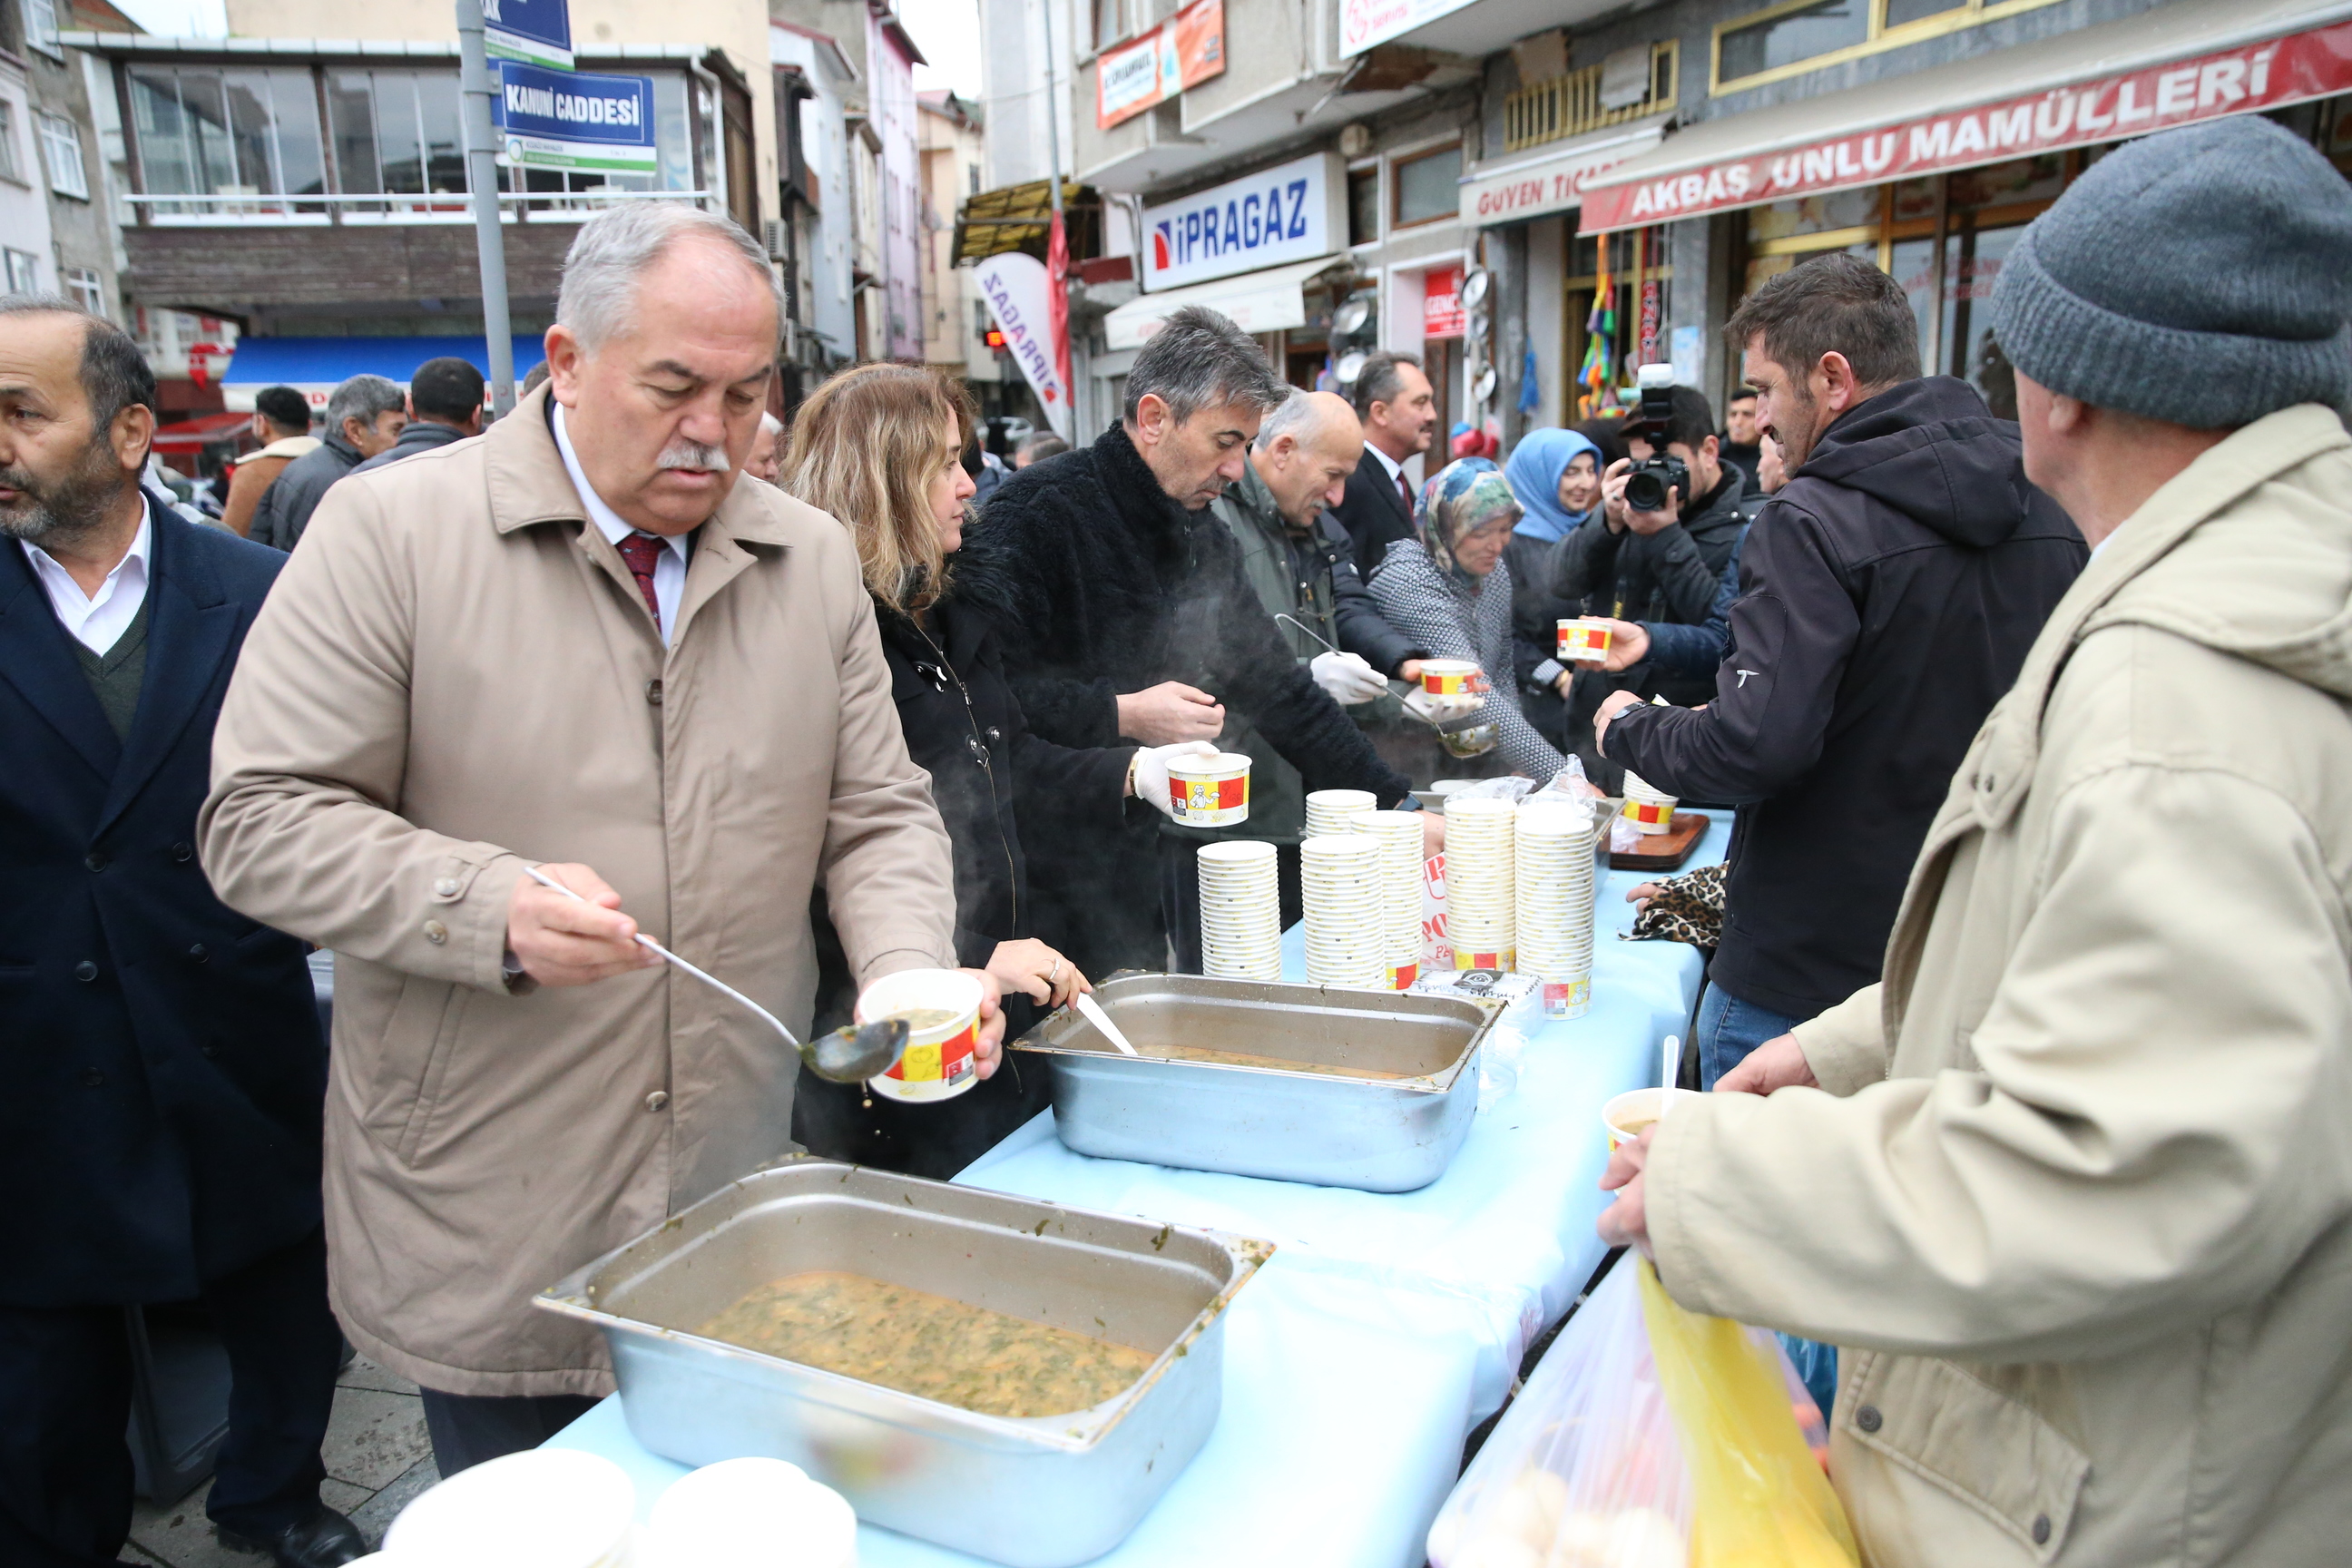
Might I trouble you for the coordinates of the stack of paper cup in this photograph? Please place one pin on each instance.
(1553, 863)
(1241, 911)
(1331, 811)
(1480, 911)
(751, 1514)
(1650, 808)
(543, 1507)
(1398, 833)
(1340, 876)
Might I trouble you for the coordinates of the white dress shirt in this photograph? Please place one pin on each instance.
(670, 566)
(98, 621)
(1396, 472)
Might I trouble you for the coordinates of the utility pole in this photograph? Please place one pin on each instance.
(1053, 114)
(482, 176)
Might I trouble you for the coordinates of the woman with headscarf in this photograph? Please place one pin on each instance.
(1556, 476)
(1449, 590)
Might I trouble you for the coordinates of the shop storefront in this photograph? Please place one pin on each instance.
(1933, 176)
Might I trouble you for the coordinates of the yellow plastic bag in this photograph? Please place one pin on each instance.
(1758, 1496)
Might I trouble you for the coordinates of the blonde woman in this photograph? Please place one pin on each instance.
(880, 446)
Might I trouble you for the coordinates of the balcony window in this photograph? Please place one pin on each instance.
(61, 149)
(398, 132)
(1429, 187)
(207, 131)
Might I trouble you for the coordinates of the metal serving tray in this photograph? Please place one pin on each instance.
(1039, 1492)
(1381, 1134)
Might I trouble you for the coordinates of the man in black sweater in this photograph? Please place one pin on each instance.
(1887, 598)
(1124, 612)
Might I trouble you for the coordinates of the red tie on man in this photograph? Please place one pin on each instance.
(1404, 489)
(641, 550)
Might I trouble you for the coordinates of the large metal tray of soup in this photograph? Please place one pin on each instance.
(1010, 1378)
(1319, 1084)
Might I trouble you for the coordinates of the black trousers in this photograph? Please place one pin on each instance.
(64, 1401)
(469, 1430)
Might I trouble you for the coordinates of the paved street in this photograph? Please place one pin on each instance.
(377, 1458)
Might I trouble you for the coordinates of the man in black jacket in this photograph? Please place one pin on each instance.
(1399, 411)
(1887, 597)
(161, 1133)
(365, 417)
(445, 404)
(1124, 612)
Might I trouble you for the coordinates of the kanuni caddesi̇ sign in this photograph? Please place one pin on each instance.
(536, 32)
(1020, 298)
(563, 120)
(1278, 214)
(2254, 77)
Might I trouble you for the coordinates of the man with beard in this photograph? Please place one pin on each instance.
(161, 1129)
(582, 640)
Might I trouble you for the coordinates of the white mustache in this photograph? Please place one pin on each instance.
(693, 456)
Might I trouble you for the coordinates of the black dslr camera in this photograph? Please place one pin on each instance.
(1648, 482)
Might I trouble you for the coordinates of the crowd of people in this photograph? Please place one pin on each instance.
(2028, 1013)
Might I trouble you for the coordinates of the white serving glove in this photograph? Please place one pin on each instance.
(1152, 771)
(1347, 678)
(1445, 712)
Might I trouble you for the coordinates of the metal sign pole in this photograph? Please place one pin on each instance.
(482, 176)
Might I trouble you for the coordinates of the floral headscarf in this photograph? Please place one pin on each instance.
(1467, 494)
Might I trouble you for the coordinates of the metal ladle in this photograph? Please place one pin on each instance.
(1409, 709)
(852, 1054)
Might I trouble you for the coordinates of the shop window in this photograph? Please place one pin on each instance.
(1364, 207)
(1429, 186)
(2037, 179)
(1799, 36)
(1811, 216)
(1641, 297)
(61, 150)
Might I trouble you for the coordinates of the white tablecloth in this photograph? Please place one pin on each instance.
(1388, 1324)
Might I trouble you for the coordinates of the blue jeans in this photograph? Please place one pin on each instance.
(1729, 1028)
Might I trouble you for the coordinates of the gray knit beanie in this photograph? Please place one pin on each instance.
(2202, 277)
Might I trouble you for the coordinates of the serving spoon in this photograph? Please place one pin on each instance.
(849, 1055)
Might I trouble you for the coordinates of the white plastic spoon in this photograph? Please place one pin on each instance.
(1092, 1012)
(1670, 1068)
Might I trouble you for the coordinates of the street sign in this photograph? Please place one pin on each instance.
(566, 120)
(536, 32)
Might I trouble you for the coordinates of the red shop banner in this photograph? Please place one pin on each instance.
(2268, 75)
(1442, 315)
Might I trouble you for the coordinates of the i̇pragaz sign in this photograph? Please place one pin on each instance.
(1285, 214)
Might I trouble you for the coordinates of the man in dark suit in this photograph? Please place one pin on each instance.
(1393, 399)
(160, 1139)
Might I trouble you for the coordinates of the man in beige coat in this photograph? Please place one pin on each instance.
(578, 641)
(2070, 1185)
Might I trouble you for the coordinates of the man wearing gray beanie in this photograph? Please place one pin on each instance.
(2069, 1186)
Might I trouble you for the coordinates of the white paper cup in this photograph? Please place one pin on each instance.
(1625, 1116)
(1584, 639)
(940, 1061)
(1648, 808)
(1448, 677)
(1210, 792)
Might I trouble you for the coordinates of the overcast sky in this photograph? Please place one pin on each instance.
(947, 31)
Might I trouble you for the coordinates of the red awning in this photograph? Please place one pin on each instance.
(2172, 67)
(205, 430)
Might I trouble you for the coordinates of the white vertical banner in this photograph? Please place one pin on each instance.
(1020, 298)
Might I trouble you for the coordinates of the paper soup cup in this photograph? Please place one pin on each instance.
(1584, 639)
(942, 1034)
(1448, 677)
(1624, 1116)
(1210, 792)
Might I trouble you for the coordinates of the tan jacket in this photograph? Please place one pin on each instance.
(456, 674)
(253, 475)
(2079, 1198)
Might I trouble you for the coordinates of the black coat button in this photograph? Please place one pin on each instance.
(198, 952)
(183, 853)
(653, 691)
(1868, 1418)
(209, 1050)
(94, 860)
(85, 972)
(93, 1078)
(2041, 1530)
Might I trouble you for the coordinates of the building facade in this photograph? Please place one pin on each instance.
(952, 150)
(815, 83)
(53, 152)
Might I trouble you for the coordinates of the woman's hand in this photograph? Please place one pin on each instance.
(1037, 971)
(1640, 897)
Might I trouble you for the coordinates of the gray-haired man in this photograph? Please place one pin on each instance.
(1124, 612)
(581, 640)
(364, 416)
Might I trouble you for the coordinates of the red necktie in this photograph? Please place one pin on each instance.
(1404, 488)
(641, 550)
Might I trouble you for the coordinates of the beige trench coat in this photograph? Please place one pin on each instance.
(455, 675)
(2078, 1199)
